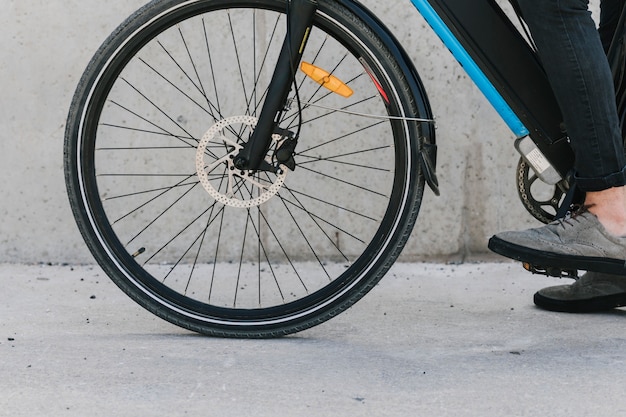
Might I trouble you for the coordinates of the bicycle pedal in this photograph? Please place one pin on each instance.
(551, 271)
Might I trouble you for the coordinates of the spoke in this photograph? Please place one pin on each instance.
(217, 248)
(195, 259)
(193, 62)
(303, 235)
(261, 248)
(145, 148)
(328, 203)
(342, 163)
(290, 119)
(280, 245)
(332, 159)
(347, 135)
(136, 193)
(159, 109)
(314, 216)
(213, 77)
(180, 259)
(152, 132)
(212, 107)
(254, 63)
(241, 257)
(165, 131)
(147, 175)
(177, 235)
(238, 59)
(282, 249)
(344, 181)
(167, 190)
(309, 105)
(162, 214)
(200, 89)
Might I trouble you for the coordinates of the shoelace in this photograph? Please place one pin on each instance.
(573, 214)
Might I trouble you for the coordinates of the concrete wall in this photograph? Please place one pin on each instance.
(47, 44)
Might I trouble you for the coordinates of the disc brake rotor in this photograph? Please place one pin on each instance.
(219, 176)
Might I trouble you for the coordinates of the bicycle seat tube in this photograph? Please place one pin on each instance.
(299, 26)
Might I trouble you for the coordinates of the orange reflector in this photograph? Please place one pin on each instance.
(326, 80)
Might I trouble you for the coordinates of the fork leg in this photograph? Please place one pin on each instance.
(299, 25)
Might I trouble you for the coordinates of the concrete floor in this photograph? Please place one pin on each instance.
(430, 340)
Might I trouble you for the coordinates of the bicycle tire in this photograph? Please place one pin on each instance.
(217, 254)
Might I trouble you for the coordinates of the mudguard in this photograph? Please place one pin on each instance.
(428, 151)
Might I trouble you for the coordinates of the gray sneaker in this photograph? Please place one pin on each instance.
(578, 241)
(594, 291)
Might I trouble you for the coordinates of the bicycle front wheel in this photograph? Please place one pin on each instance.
(160, 112)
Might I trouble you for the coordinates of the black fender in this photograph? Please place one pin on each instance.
(428, 148)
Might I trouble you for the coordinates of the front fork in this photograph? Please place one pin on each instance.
(299, 24)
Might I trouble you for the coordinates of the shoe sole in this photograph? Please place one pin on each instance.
(547, 259)
(590, 305)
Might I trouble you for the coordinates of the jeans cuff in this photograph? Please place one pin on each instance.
(617, 179)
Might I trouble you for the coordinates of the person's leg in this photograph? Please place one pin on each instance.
(593, 291)
(610, 207)
(572, 54)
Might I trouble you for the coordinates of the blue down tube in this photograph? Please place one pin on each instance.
(475, 73)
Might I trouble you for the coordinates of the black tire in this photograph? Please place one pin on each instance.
(322, 239)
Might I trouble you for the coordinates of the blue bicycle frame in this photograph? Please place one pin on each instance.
(472, 69)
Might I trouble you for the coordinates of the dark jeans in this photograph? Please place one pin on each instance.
(571, 50)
